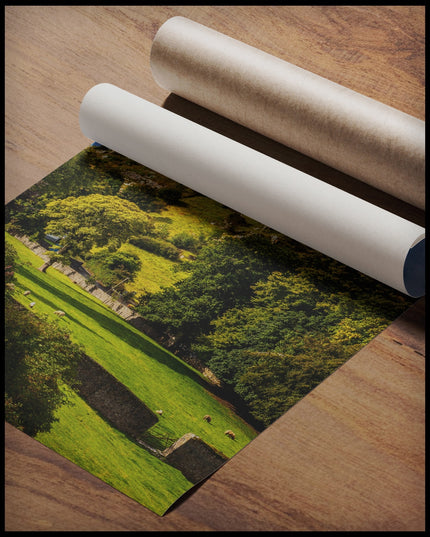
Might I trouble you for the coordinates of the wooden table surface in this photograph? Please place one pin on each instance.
(350, 455)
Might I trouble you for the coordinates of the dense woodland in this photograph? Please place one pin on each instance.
(269, 317)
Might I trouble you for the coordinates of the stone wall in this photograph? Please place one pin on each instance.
(193, 457)
(121, 309)
(112, 400)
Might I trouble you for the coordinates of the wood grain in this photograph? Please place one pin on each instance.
(350, 455)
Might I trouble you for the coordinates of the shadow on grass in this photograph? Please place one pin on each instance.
(39, 296)
(117, 327)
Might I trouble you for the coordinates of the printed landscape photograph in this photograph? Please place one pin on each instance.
(151, 333)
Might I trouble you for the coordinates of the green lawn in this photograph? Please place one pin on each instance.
(83, 437)
(155, 271)
(157, 377)
(201, 216)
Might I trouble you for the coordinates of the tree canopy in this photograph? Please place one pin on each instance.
(94, 220)
(220, 278)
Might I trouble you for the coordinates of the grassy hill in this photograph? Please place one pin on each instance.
(157, 377)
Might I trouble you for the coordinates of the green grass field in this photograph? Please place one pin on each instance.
(155, 272)
(201, 216)
(83, 437)
(157, 377)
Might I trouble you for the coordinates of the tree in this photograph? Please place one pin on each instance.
(186, 241)
(81, 175)
(276, 380)
(39, 358)
(9, 262)
(220, 278)
(124, 264)
(93, 220)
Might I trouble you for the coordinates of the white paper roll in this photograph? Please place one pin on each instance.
(348, 229)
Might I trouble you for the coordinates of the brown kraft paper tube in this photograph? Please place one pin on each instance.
(355, 134)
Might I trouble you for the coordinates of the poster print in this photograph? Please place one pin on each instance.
(151, 333)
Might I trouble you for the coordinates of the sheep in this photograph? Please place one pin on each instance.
(159, 412)
(32, 304)
(230, 434)
(207, 418)
(26, 293)
(59, 313)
